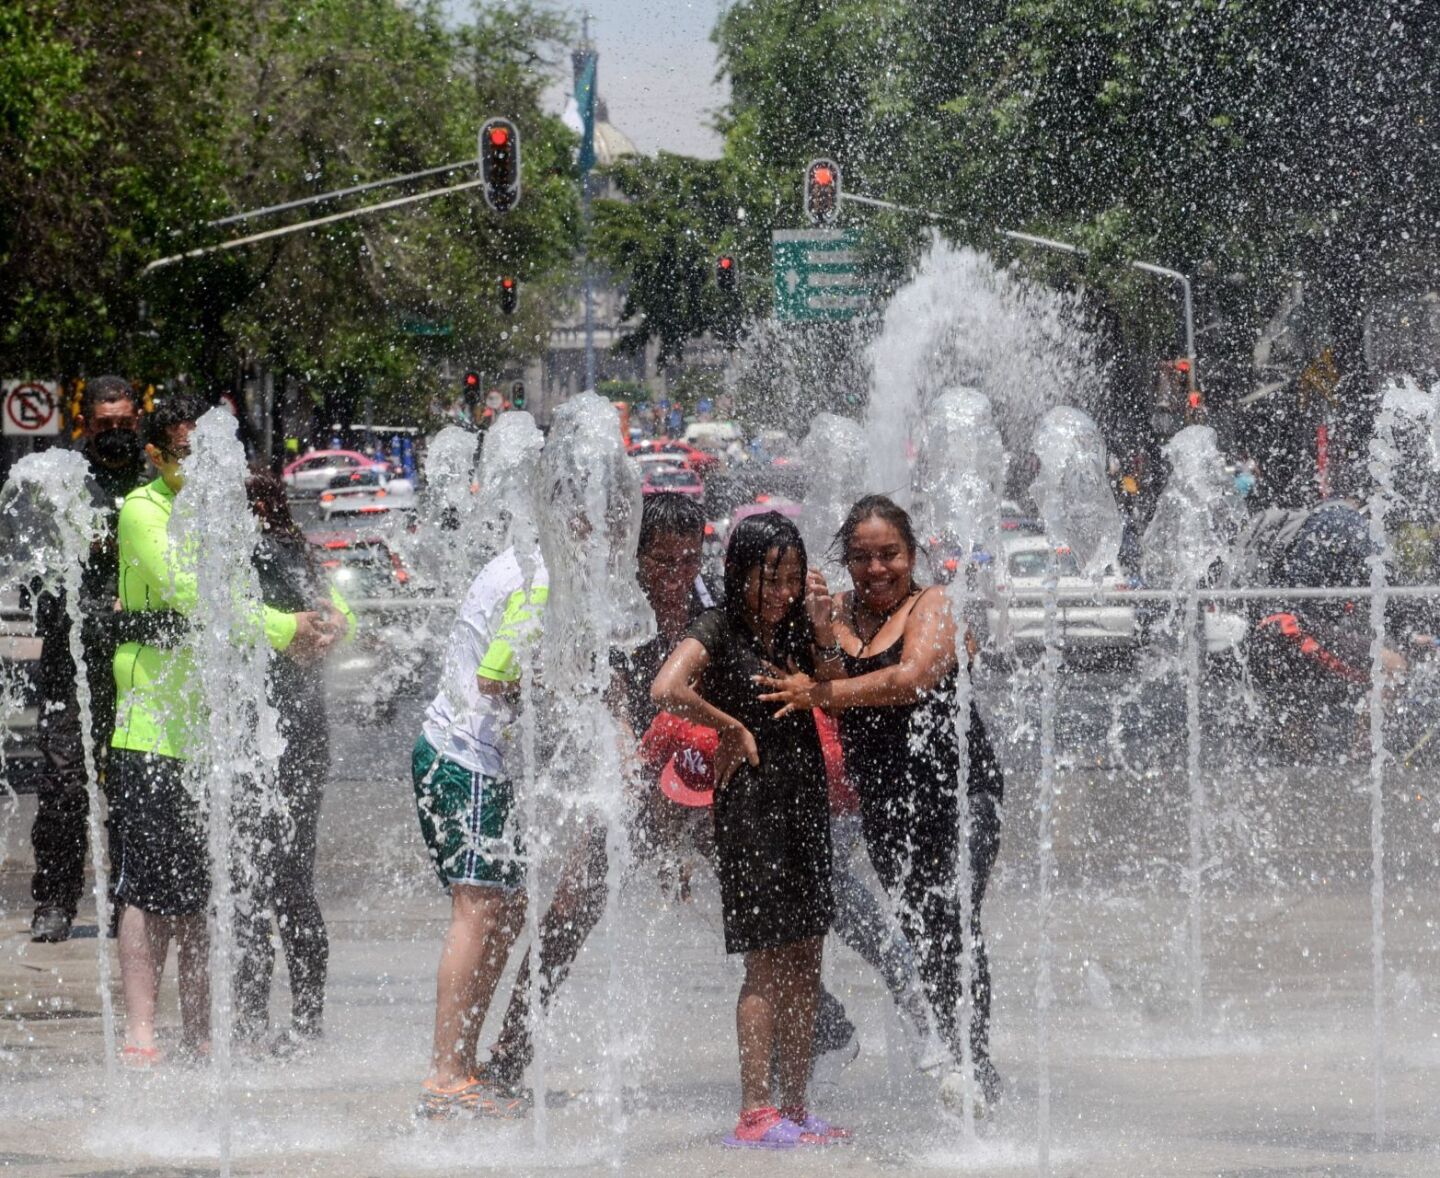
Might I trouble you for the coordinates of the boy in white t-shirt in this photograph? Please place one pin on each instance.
(464, 766)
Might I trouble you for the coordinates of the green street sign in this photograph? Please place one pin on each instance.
(426, 327)
(817, 274)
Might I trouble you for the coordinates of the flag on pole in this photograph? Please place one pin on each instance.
(585, 61)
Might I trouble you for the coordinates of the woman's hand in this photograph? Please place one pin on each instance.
(795, 690)
(821, 607)
(737, 744)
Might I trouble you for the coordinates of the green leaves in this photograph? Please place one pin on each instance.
(127, 126)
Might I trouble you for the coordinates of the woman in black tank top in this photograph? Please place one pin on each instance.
(888, 672)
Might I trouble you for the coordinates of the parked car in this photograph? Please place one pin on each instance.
(361, 566)
(672, 478)
(369, 491)
(1084, 622)
(686, 455)
(312, 473)
(382, 664)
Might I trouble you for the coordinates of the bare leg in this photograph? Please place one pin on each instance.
(755, 1027)
(193, 947)
(484, 923)
(144, 941)
(573, 914)
(796, 994)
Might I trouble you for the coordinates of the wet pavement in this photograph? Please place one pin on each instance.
(1275, 1079)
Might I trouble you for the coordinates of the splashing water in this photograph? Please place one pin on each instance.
(451, 526)
(962, 321)
(1196, 520)
(588, 510)
(1198, 515)
(834, 455)
(1072, 490)
(212, 536)
(958, 480)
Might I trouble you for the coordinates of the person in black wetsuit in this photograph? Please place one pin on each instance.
(276, 878)
(888, 671)
(771, 815)
(109, 422)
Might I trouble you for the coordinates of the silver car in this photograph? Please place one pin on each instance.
(1084, 622)
(373, 491)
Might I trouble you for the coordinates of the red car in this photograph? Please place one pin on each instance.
(691, 457)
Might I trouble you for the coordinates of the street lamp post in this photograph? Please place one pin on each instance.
(1050, 243)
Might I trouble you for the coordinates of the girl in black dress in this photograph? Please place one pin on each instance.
(886, 658)
(772, 823)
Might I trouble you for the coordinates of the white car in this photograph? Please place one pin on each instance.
(313, 472)
(651, 461)
(1083, 621)
(372, 491)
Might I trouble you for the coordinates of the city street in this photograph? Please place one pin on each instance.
(1275, 1078)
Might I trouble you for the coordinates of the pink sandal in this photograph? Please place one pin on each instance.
(765, 1128)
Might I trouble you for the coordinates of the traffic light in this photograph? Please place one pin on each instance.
(509, 295)
(472, 387)
(822, 191)
(517, 395)
(727, 273)
(500, 164)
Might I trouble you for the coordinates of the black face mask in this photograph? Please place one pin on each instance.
(117, 449)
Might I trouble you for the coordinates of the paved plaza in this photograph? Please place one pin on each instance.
(640, 1069)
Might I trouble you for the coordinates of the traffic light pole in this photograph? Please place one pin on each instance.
(336, 194)
(1050, 243)
(284, 230)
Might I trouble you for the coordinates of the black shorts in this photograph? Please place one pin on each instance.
(164, 868)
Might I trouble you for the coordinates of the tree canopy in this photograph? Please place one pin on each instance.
(1242, 142)
(128, 127)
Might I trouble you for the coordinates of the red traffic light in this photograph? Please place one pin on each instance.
(507, 283)
(472, 380)
(727, 263)
(500, 163)
(822, 191)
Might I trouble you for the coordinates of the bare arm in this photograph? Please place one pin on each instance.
(674, 690)
(928, 655)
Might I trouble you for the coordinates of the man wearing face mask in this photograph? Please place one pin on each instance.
(109, 423)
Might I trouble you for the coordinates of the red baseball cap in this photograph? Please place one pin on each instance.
(686, 753)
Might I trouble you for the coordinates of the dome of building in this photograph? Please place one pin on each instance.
(611, 143)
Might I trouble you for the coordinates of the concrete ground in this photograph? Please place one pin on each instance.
(1275, 1079)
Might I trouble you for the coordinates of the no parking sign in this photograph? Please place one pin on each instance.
(31, 408)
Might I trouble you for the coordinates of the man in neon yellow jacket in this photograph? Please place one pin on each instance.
(162, 878)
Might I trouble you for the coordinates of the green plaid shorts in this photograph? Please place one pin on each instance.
(462, 817)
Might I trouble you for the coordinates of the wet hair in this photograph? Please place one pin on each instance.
(667, 513)
(271, 505)
(880, 507)
(169, 413)
(750, 545)
(105, 390)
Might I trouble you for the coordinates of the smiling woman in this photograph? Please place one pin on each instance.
(891, 679)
